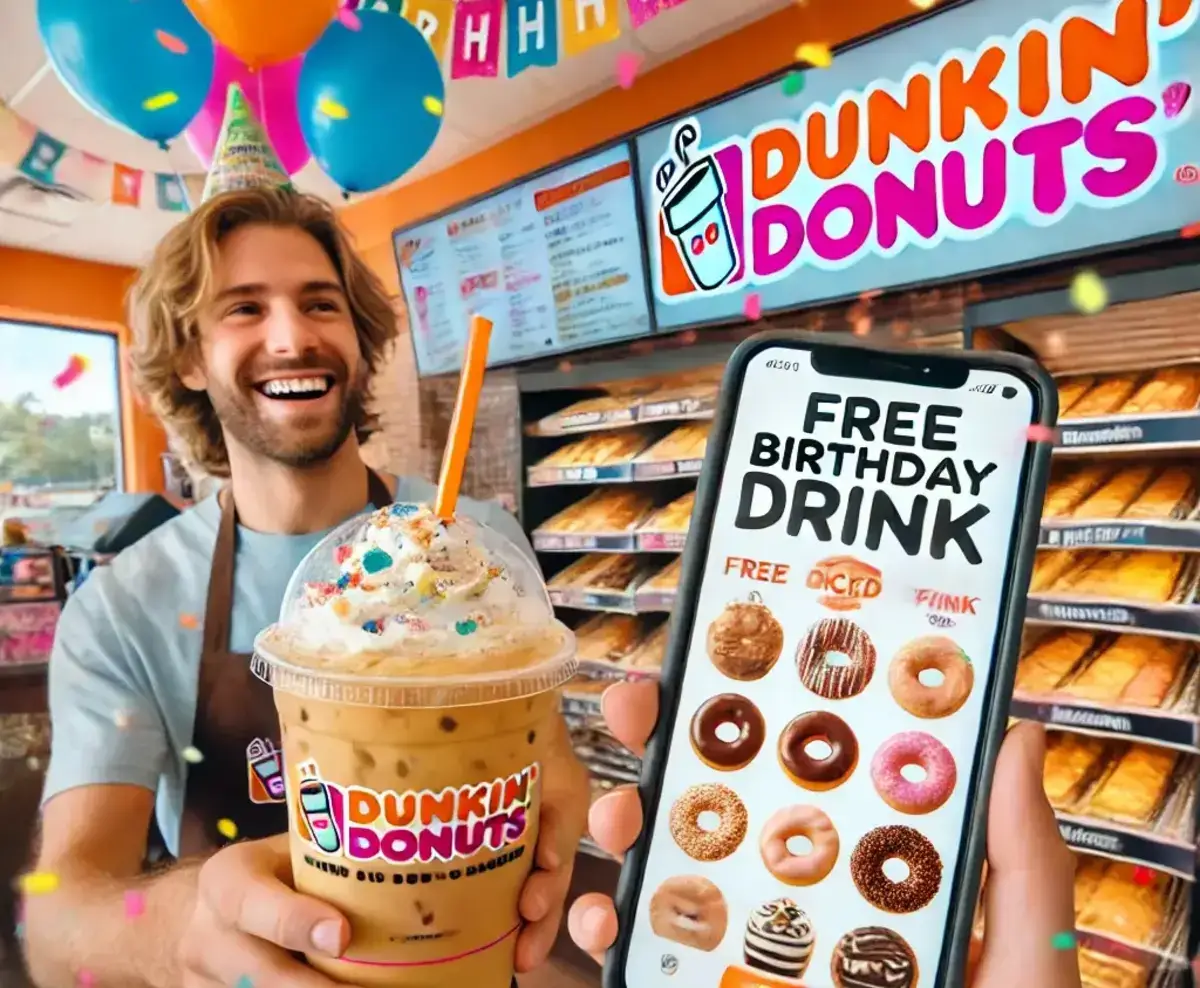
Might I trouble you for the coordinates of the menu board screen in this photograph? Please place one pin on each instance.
(555, 262)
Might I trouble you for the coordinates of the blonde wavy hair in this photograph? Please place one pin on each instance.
(166, 300)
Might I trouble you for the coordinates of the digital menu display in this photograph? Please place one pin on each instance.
(555, 262)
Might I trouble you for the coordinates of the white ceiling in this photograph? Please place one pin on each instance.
(479, 113)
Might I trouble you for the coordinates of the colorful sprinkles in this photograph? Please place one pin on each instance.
(375, 560)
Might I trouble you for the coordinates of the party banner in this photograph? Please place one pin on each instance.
(42, 158)
(170, 193)
(126, 185)
(641, 11)
(477, 27)
(433, 19)
(587, 23)
(532, 35)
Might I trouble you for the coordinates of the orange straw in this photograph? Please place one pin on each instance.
(463, 423)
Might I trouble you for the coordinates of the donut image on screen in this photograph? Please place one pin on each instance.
(949, 677)
(874, 957)
(799, 821)
(745, 726)
(709, 845)
(925, 752)
(745, 640)
(779, 939)
(827, 769)
(836, 659)
(914, 849)
(689, 910)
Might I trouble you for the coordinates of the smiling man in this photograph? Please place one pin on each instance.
(257, 331)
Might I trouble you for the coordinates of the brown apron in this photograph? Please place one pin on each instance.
(240, 779)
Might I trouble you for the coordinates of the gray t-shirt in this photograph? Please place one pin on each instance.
(123, 674)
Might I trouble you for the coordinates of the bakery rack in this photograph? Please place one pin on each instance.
(1112, 651)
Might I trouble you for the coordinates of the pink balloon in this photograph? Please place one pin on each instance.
(271, 92)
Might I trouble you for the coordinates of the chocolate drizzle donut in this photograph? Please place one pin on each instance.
(779, 939)
(818, 774)
(914, 849)
(744, 716)
(832, 680)
(874, 957)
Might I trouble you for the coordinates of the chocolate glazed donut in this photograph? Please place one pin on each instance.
(818, 774)
(728, 708)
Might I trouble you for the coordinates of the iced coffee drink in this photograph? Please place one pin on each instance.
(416, 667)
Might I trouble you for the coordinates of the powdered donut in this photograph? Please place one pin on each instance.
(931, 652)
(706, 845)
(822, 673)
(690, 910)
(799, 821)
(914, 748)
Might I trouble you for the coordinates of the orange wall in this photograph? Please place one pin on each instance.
(63, 291)
(726, 64)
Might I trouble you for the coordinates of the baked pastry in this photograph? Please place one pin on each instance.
(1093, 574)
(1088, 873)
(1141, 576)
(1169, 494)
(1153, 681)
(1115, 495)
(667, 578)
(606, 510)
(578, 572)
(1133, 790)
(607, 637)
(1044, 666)
(1097, 970)
(1113, 669)
(688, 442)
(1070, 761)
(673, 517)
(617, 573)
(1105, 398)
(1068, 491)
(598, 449)
(1128, 906)
(1172, 389)
(1070, 390)
(1053, 566)
(650, 650)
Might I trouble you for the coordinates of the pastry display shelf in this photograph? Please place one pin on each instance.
(585, 542)
(1165, 620)
(615, 602)
(1128, 433)
(1120, 843)
(1159, 727)
(1120, 533)
(1163, 959)
(637, 412)
(630, 472)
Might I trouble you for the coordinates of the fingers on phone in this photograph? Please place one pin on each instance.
(615, 820)
(593, 924)
(255, 962)
(631, 710)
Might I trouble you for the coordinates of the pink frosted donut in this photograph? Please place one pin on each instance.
(920, 749)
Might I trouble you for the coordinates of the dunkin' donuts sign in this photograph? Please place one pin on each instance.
(1047, 116)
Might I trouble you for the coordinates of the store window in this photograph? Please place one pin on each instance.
(60, 420)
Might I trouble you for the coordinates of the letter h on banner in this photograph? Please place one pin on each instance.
(532, 35)
(587, 23)
(476, 39)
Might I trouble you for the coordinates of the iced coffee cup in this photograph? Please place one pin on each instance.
(416, 668)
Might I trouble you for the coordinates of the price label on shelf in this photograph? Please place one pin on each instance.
(1124, 845)
(1154, 727)
(1161, 535)
(1168, 620)
(661, 541)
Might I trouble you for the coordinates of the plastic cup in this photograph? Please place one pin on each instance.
(695, 215)
(414, 772)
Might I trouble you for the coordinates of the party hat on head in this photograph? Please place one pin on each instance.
(243, 158)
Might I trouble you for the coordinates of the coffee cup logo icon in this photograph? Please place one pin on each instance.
(693, 207)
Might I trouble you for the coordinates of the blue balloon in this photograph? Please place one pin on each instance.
(370, 100)
(146, 65)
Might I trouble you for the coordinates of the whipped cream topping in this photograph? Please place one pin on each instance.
(412, 583)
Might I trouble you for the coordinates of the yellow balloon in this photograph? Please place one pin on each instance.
(263, 32)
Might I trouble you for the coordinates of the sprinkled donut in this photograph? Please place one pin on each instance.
(709, 845)
(818, 774)
(743, 716)
(921, 655)
(832, 679)
(799, 821)
(914, 849)
(690, 910)
(924, 751)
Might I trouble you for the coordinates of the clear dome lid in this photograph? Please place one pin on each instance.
(406, 609)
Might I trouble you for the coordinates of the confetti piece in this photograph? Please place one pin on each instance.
(332, 109)
(189, 621)
(752, 307)
(1038, 433)
(627, 69)
(135, 904)
(38, 883)
(77, 366)
(815, 54)
(227, 828)
(1191, 231)
(793, 84)
(193, 756)
(176, 46)
(160, 101)
(349, 19)
(1089, 294)
(1063, 941)
(1174, 99)
(433, 106)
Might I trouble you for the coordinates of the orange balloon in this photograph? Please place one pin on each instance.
(263, 32)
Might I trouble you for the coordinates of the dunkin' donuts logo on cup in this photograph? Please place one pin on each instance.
(844, 582)
(415, 827)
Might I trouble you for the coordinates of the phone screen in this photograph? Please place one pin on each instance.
(819, 770)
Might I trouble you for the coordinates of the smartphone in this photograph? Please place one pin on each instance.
(837, 680)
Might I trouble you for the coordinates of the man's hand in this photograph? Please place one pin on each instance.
(248, 922)
(562, 822)
(1030, 885)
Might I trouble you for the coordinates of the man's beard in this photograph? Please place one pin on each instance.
(305, 440)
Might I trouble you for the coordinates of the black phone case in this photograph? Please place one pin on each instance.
(951, 967)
